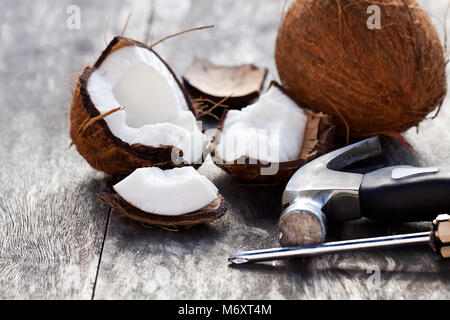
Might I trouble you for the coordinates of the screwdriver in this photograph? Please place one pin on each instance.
(438, 239)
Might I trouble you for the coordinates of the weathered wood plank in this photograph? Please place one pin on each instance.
(146, 263)
(51, 224)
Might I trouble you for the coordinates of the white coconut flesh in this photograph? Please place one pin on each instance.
(167, 192)
(270, 130)
(155, 110)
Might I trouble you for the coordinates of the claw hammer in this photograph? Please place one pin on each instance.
(320, 191)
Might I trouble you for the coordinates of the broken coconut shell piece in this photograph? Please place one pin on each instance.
(233, 86)
(130, 111)
(179, 197)
(266, 143)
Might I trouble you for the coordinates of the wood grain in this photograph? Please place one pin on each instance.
(52, 225)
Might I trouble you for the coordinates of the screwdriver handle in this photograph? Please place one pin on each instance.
(440, 236)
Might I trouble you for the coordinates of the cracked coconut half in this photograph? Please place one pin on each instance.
(266, 142)
(167, 198)
(129, 111)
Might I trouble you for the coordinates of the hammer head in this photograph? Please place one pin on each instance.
(319, 191)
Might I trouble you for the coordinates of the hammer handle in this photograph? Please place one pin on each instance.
(405, 194)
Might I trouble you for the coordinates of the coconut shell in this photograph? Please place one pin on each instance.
(97, 144)
(237, 86)
(371, 80)
(318, 140)
(209, 213)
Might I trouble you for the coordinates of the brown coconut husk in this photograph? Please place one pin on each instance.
(318, 140)
(371, 81)
(213, 211)
(236, 86)
(204, 107)
(97, 144)
(154, 44)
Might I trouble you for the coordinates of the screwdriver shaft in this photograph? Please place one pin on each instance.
(330, 248)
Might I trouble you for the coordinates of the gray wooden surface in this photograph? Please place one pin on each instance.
(58, 241)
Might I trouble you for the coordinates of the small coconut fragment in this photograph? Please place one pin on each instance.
(272, 133)
(169, 198)
(235, 86)
(148, 119)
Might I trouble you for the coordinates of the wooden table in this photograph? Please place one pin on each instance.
(59, 241)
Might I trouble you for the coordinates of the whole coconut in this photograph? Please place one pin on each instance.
(373, 81)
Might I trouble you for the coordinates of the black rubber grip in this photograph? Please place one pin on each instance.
(419, 197)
